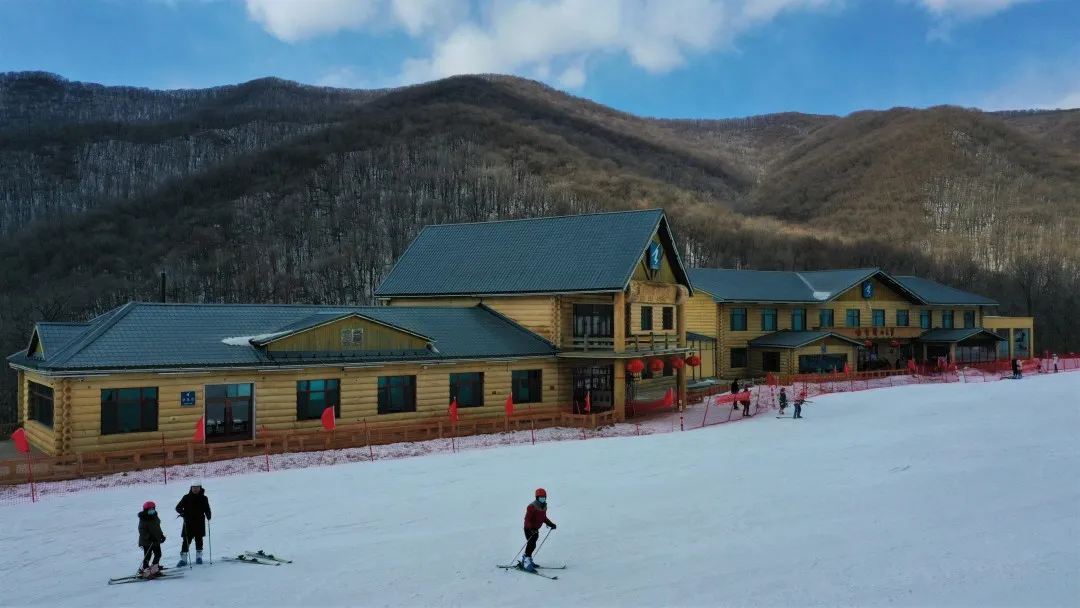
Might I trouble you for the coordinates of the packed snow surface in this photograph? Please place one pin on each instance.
(931, 495)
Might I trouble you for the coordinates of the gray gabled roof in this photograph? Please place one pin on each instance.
(156, 336)
(937, 294)
(567, 254)
(955, 335)
(54, 335)
(325, 318)
(796, 339)
(766, 286)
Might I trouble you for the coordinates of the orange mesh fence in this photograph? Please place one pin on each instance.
(278, 451)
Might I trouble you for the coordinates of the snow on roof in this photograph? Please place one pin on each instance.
(246, 340)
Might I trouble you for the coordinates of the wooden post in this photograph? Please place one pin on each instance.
(367, 439)
(30, 476)
(164, 460)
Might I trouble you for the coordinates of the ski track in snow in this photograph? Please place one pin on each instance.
(924, 495)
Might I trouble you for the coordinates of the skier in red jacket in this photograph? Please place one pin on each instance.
(535, 516)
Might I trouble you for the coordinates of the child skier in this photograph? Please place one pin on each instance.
(535, 516)
(193, 507)
(783, 400)
(150, 539)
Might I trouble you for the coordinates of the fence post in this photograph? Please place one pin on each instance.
(164, 460)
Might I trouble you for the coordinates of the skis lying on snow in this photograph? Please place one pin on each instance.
(247, 559)
(538, 568)
(139, 579)
(260, 554)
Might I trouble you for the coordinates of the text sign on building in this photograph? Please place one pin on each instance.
(654, 256)
(868, 289)
(187, 399)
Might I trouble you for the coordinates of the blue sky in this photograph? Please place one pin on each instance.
(671, 58)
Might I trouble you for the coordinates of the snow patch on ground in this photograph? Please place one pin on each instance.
(929, 495)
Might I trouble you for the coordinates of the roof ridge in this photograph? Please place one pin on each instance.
(88, 337)
(544, 217)
(532, 334)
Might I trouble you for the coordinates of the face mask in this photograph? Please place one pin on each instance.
(152, 512)
(543, 500)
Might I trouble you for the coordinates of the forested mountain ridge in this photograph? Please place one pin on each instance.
(279, 192)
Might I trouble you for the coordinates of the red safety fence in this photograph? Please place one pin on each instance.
(716, 406)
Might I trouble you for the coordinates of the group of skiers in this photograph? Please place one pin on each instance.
(194, 508)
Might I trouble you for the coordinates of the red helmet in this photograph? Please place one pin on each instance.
(146, 506)
(541, 492)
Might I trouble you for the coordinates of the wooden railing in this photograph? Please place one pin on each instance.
(634, 343)
(179, 453)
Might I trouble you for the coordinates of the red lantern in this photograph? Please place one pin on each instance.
(693, 360)
(894, 343)
(656, 365)
(677, 362)
(635, 366)
(868, 344)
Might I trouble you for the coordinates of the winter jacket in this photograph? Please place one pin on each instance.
(783, 399)
(734, 387)
(149, 530)
(536, 515)
(193, 508)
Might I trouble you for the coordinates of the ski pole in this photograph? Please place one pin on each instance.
(523, 547)
(209, 543)
(542, 542)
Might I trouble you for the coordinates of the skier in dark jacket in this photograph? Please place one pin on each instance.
(193, 507)
(150, 539)
(535, 516)
(783, 400)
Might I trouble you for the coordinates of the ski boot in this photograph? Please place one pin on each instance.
(183, 560)
(149, 572)
(198, 556)
(528, 565)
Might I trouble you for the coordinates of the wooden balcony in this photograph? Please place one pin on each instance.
(634, 343)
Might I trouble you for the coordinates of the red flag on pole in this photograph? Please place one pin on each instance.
(588, 403)
(200, 431)
(21, 444)
(453, 410)
(669, 398)
(509, 405)
(328, 421)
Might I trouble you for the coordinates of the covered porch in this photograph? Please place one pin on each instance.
(610, 386)
(973, 345)
(801, 352)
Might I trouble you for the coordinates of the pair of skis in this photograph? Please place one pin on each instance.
(258, 557)
(135, 578)
(519, 568)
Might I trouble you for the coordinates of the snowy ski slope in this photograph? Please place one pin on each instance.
(932, 495)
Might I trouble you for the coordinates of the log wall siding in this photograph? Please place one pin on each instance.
(40, 436)
(327, 338)
(537, 313)
(275, 398)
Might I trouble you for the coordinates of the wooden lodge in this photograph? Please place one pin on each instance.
(750, 323)
(550, 312)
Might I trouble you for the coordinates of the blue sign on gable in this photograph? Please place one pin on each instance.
(654, 256)
(187, 399)
(868, 289)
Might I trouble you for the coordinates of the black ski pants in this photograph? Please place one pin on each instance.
(185, 542)
(155, 550)
(531, 535)
(798, 410)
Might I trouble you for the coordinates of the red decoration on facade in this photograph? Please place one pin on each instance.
(858, 332)
(868, 344)
(677, 362)
(656, 365)
(875, 331)
(894, 343)
(693, 360)
(635, 366)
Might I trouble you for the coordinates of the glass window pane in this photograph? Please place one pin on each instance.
(317, 385)
(130, 394)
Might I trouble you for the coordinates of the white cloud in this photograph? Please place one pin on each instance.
(293, 21)
(1039, 85)
(969, 8)
(557, 40)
